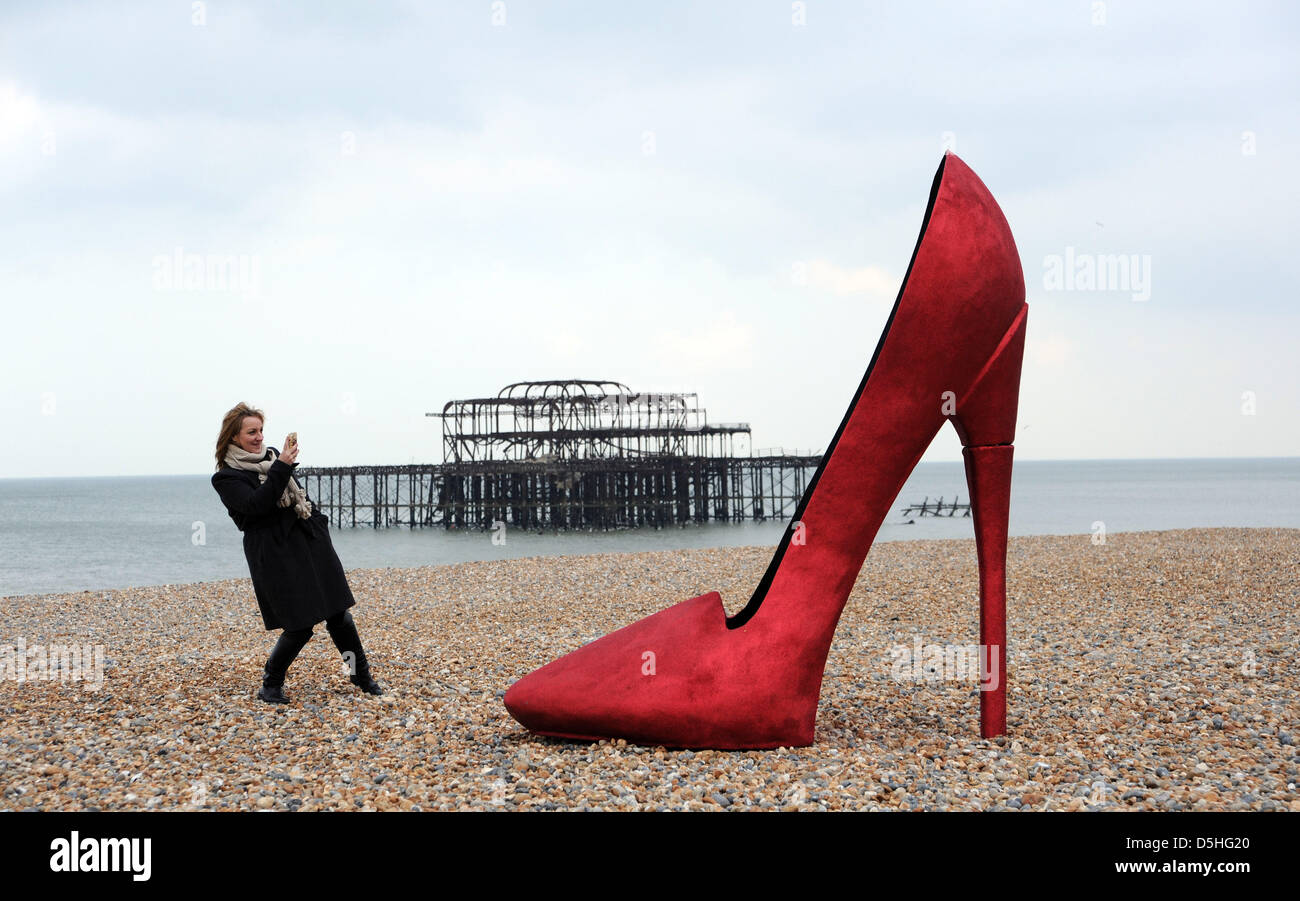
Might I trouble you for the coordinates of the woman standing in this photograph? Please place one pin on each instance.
(296, 574)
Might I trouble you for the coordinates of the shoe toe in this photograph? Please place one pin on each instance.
(563, 698)
(635, 683)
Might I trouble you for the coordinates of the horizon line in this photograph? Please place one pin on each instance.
(920, 463)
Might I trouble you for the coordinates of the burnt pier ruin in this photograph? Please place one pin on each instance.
(571, 454)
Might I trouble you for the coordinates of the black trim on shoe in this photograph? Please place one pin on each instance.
(756, 599)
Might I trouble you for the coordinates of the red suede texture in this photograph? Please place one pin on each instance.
(987, 413)
(757, 686)
(988, 476)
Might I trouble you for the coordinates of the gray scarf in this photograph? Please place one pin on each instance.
(293, 495)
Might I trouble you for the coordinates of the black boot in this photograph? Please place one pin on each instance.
(283, 654)
(272, 694)
(343, 629)
(366, 684)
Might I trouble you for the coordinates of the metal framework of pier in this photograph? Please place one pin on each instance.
(925, 508)
(571, 454)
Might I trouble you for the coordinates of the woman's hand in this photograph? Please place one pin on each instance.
(291, 455)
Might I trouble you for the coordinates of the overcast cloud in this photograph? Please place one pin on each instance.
(430, 201)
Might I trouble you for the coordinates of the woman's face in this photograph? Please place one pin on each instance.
(249, 436)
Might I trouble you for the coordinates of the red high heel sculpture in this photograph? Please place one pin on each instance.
(691, 677)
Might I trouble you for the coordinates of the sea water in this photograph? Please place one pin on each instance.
(78, 534)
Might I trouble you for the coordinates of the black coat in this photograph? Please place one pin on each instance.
(296, 574)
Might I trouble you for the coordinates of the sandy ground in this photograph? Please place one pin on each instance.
(1156, 671)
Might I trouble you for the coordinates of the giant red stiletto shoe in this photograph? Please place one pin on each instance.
(690, 676)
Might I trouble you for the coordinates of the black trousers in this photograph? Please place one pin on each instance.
(342, 629)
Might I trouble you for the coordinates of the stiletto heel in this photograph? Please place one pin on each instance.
(689, 675)
(986, 424)
(988, 476)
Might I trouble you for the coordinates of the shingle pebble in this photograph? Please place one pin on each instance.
(1155, 671)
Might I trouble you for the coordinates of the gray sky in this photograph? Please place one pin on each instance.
(430, 201)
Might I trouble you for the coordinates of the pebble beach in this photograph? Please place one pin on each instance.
(1154, 671)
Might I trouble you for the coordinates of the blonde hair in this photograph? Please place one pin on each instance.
(231, 424)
